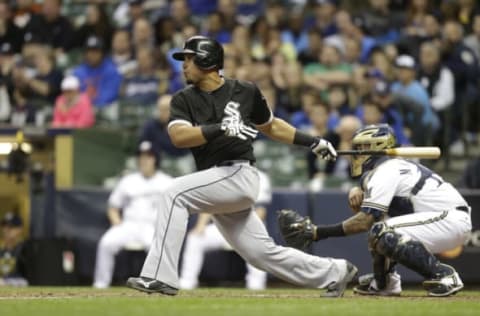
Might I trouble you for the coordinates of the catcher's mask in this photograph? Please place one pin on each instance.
(371, 137)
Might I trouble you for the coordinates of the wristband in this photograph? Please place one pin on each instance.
(211, 131)
(326, 231)
(304, 139)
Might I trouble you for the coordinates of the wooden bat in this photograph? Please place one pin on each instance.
(407, 152)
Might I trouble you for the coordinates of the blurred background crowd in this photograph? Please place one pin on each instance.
(326, 66)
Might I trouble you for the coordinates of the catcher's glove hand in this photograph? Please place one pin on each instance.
(298, 231)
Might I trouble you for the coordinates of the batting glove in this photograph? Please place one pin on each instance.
(324, 149)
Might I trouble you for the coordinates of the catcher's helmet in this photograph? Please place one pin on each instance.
(208, 52)
(371, 137)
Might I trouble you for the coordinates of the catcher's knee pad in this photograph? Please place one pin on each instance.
(383, 240)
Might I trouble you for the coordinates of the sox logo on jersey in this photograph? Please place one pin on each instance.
(233, 125)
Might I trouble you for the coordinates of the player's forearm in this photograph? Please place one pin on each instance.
(279, 130)
(359, 223)
(114, 216)
(185, 136)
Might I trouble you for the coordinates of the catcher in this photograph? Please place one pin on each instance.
(410, 214)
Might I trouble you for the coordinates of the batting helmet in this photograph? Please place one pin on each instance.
(208, 52)
(371, 137)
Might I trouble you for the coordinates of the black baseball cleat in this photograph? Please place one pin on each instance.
(150, 286)
(446, 285)
(336, 289)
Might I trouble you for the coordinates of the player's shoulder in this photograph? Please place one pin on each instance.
(182, 93)
(393, 166)
(244, 84)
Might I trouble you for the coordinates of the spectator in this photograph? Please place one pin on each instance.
(97, 23)
(241, 43)
(72, 108)
(372, 112)
(12, 257)
(380, 60)
(165, 33)
(155, 130)
(9, 32)
(99, 78)
(144, 85)
(215, 28)
(466, 13)
(471, 175)
(53, 28)
(472, 41)
(23, 112)
(128, 12)
(464, 66)
(7, 63)
(381, 23)
(228, 11)
(122, 54)
(439, 82)
(44, 86)
(400, 110)
(329, 70)
(324, 12)
(300, 119)
(338, 104)
(312, 51)
(407, 85)
(142, 34)
(24, 11)
(132, 211)
(351, 30)
(180, 12)
(205, 237)
(287, 79)
(341, 138)
(295, 33)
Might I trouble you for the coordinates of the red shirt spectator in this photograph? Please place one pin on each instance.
(72, 108)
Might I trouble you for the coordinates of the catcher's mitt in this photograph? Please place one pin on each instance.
(298, 231)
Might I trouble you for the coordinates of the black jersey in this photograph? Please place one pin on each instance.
(196, 107)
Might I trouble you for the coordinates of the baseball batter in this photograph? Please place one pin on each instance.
(206, 237)
(410, 214)
(217, 118)
(136, 195)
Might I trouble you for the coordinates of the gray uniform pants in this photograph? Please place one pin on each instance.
(229, 193)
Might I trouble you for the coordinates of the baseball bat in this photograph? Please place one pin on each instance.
(407, 152)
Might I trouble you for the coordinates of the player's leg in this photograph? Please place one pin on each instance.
(109, 245)
(384, 281)
(225, 189)
(196, 245)
(394, 243)
(255, 279)
(247, 234)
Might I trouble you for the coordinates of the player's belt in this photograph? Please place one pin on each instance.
(229, 163)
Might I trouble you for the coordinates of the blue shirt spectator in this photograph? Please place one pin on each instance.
(408, 86)
(98, 75)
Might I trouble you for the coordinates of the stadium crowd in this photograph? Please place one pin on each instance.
(327, 66)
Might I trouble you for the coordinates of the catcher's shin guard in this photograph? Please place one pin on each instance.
(411, 253)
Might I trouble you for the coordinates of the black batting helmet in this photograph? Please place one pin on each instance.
(208, 52)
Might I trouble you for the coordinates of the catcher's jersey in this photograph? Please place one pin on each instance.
(399, 187)
(239, 99)
(137, 196)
